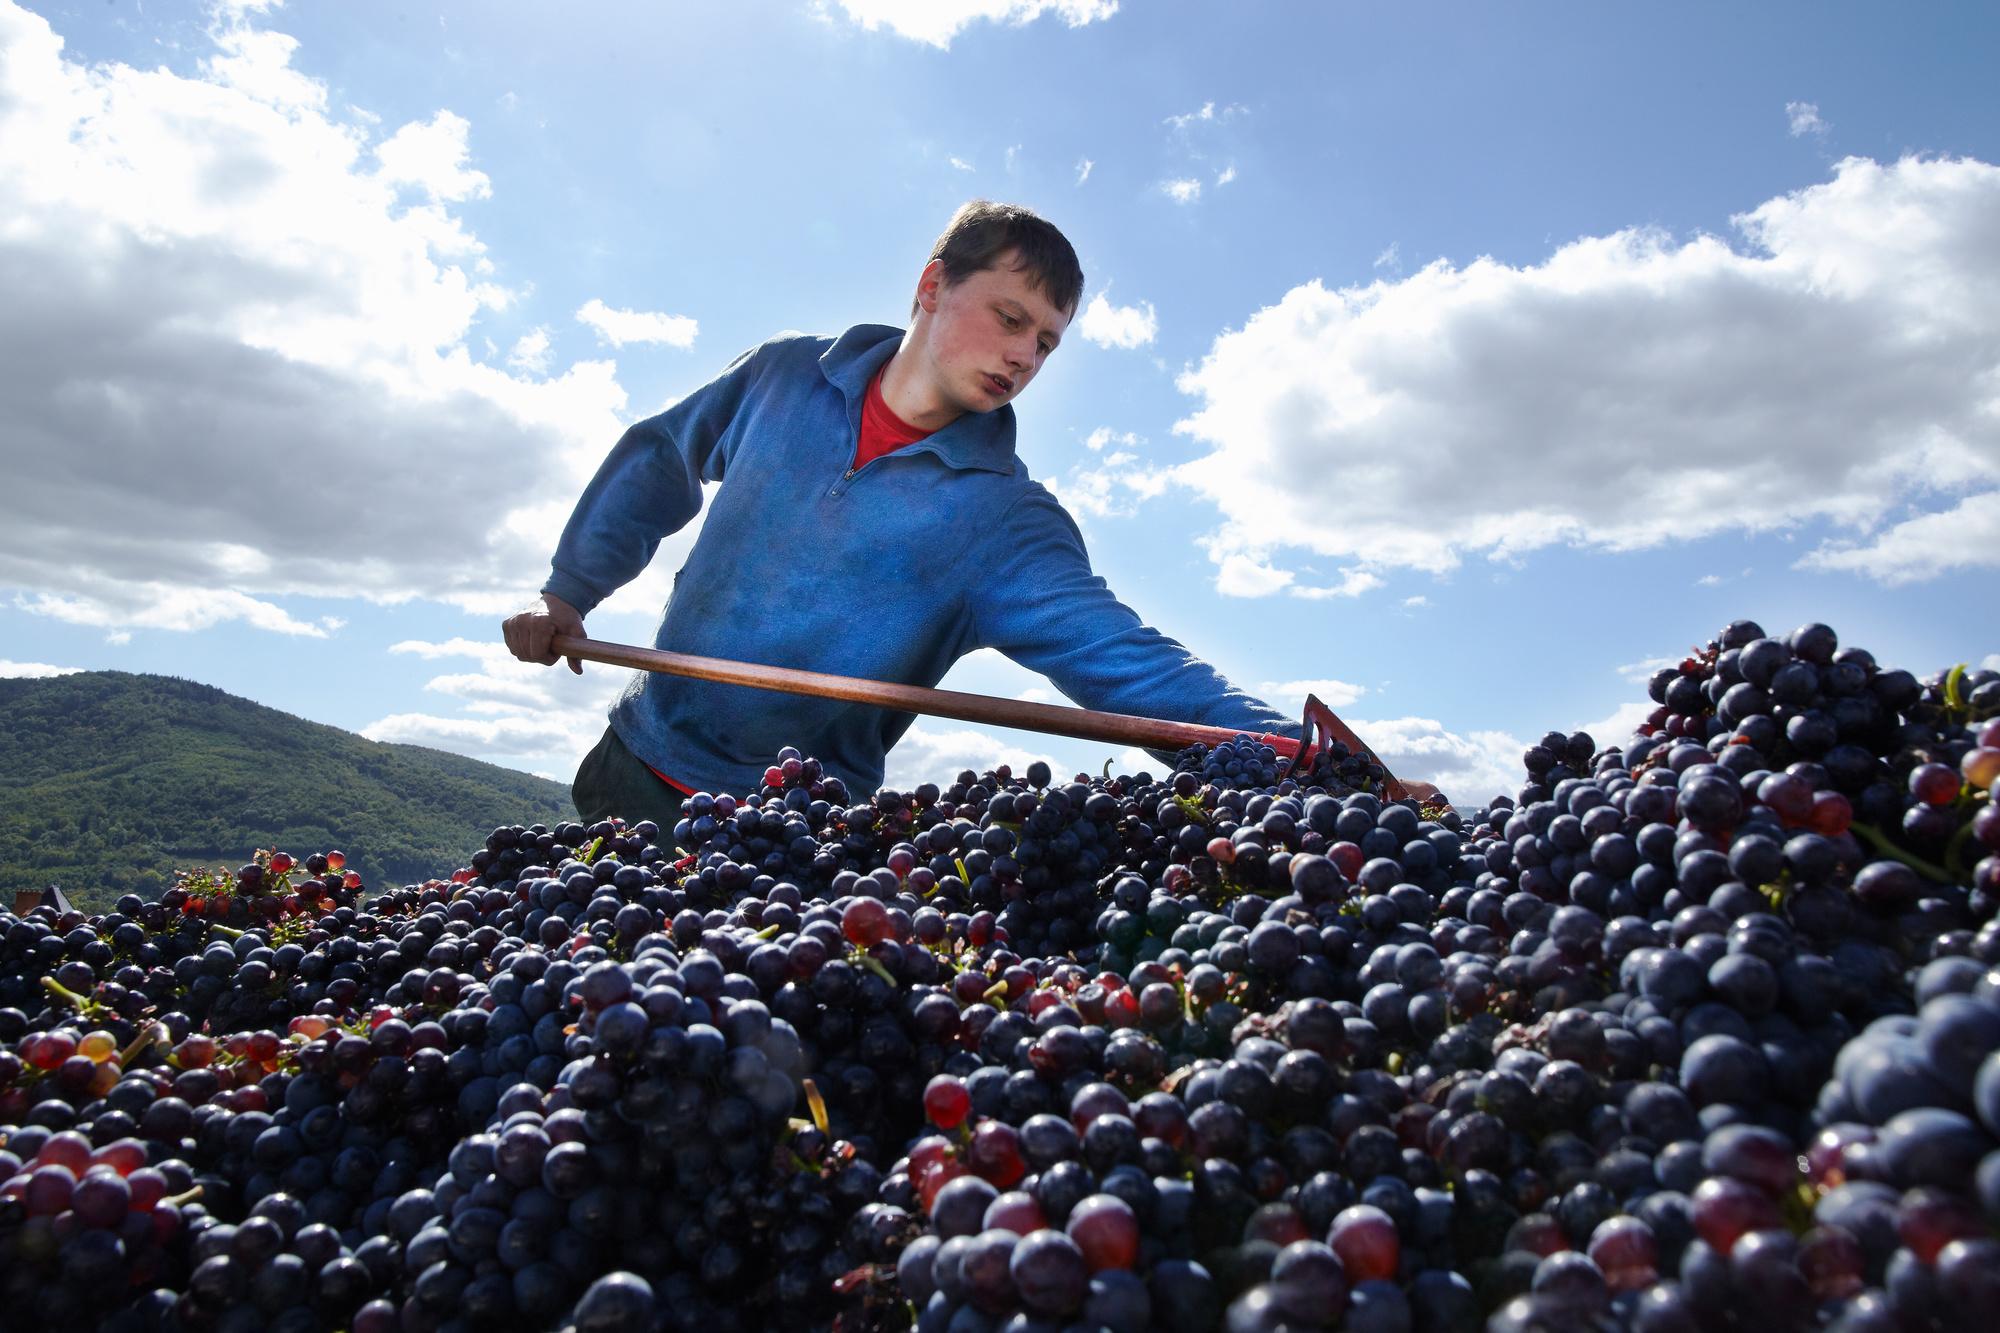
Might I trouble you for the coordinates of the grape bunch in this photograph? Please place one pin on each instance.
(1698, 1029)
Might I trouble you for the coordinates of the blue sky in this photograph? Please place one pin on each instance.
(1456, 361)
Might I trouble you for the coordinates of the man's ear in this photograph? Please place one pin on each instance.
(930, 283)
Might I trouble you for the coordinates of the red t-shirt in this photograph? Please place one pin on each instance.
(882, 432)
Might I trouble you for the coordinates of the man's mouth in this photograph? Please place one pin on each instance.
(1000, 386)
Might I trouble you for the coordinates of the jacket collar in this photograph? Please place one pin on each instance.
(983, 440)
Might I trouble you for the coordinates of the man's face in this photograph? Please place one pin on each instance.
(988, 334)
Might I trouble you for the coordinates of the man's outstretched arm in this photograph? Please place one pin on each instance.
(1038, 602)
(648, 487)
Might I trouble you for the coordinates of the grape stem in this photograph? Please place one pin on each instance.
(875, 965)
(154, 1034)
(818, 1105)
(63, 993)
(1890, 849)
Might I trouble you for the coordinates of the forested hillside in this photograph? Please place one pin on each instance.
(109, 782)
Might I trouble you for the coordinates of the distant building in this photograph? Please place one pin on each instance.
(27, 900)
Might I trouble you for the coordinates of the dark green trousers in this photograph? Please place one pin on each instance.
(614, 782)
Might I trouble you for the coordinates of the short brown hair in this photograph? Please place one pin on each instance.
(981, 231)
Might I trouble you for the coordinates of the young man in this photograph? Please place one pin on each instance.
(872, 520)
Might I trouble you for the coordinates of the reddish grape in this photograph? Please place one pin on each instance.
(67, 1149)
(865, 921)
(123, 1156)
(53, 1048)
(1538, 1234)
(1831, 814)
(1016, 1211)
(995, 1153)
(1105, 1229)
(928, 1151)
(1981, 767)
(935, 1177)
(148, 1185)
(1934, 784)
(1931, 1219)
(946, 1101)
(1986, 825)
(1627, 1252)
(1365, 1239)
(1346, 858)
(1789, 797)
(1094, 1100)
(1221, 850)
(49, 1190)
(1725, 1209)
(1832, 1262)
(1826, 1158)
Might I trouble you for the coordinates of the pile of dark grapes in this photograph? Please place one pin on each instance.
(1699, 1030)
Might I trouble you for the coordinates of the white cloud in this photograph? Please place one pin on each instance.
(432, 156)
(1621, 725)
(1390, 259)
(619, 327)
(1803, 118)
(1470, 769)
(1110, 325)
(1643, 670)
(1966, 536)
(936, 22)
(926, 755)
(1226, 175)
(227, 314)
(1353, 582)
(1114, 488)
(1709, 581)
(1207, 112)
(1417, 602)
(104, 604)
(519, 714)
(530, 353)
(1332, 693)
(257, 64)
(33, 670)
(1184, 190)
(1243, 575)
(960, 163)
(1104, 435)
(1991, 662)
(1083, 166)
(1630, 391)
(1007, 158)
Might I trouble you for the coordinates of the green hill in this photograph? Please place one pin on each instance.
(110, 782)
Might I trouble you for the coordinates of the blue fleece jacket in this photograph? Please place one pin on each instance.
(892, 572)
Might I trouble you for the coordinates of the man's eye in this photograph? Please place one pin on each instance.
(1008, 319)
